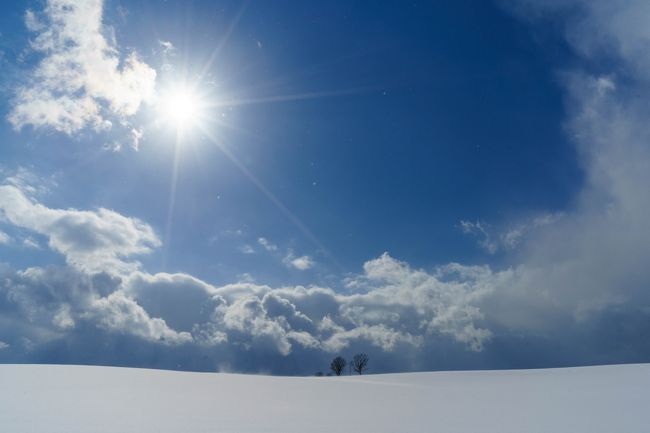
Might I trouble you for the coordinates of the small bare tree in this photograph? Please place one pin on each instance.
(360, 362)
(337, 365)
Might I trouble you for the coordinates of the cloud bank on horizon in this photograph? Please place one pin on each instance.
(570, 271)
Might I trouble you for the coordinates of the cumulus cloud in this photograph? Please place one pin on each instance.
(248, 315)
(399, 305)
(118, 313)
(103, 288)
(81, 80)
(44, 301)
(396, 306)
(93, 241)
(182, 300)
(53, 302)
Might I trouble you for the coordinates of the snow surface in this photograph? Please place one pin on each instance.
(80, 399)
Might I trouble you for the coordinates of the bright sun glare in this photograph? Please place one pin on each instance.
(180, 107)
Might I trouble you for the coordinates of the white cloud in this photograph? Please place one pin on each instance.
(136, 137)
(93, 241)
(167, 46)
(3, 345)
(589, 260)
(509, 238)
(81, 80)
(118, 313)
(246, 249)
(247, 315)
(4, 238)
(268, 246)
(44, 302)
(379, 335)
(25, 180)
(104, 288)
(399, 306)
(32, 23)
(445, 301)
(32, 243)
(599, 29)
(480, 229)
(168, 51)
(182, 300)
(301, 263)
(63, 318)
(49, 303)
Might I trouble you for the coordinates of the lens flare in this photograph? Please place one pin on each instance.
(180, 107)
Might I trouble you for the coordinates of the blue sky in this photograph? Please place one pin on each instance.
(260, 187)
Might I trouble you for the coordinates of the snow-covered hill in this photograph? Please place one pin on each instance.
(79, 399)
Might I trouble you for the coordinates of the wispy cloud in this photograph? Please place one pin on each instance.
(32, 243)
(268, 246)
(480, 229)
(25, 180)
(246, 249)
(168, 51)
(5, 239)
(289, 258)
(508, 238)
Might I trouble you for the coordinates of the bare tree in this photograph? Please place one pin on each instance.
(360, 362)
(337, 365)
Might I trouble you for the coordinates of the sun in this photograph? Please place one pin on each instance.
(180, 107)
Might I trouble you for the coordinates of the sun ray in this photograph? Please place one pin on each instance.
(224, 40)
(169, 222)
(271, 196)
(288, 97)
(182, 107)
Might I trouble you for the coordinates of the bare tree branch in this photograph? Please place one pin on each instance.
(360, 362)
(337, 365)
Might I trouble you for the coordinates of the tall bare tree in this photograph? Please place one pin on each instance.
(360, 362)
(337, 365)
